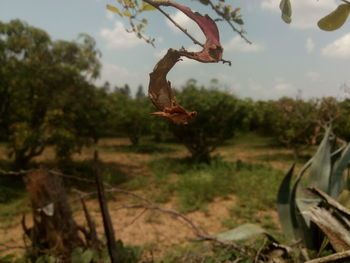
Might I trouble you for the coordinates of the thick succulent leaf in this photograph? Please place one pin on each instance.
(320, 169)
(301, 230)
(286, 9)
(283, 203)
(335, 19)
(242, 232)
(337, 183)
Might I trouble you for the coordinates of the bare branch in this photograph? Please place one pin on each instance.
(20, 172)
(331, 258)
(148, 205)
(240, 32)
(157, 6)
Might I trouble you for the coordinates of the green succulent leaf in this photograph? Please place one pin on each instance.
(320, 169)
(242, 232)
(337, 178)
(335, 19)
(286, 9)
(300, 228)
(283, 203)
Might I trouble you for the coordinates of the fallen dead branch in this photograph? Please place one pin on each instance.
(340, 257)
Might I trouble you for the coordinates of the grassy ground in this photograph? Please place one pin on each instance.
(238, 186)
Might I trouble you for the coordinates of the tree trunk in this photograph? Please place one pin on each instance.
(54, 229)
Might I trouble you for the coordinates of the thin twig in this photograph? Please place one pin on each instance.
(157, 6)
(55, 172)
(137, 217)
(20, 172)
(240, 32)
(107, 222)
(148, 205)
(6, 247)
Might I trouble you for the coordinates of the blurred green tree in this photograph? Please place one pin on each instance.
(46, 91)
(220, 115)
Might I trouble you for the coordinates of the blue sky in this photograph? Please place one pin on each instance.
(284, 60)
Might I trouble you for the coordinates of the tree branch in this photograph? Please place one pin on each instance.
(331, 258)
(240, 32)
(157, 6)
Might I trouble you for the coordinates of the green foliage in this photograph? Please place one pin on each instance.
(220, 115)
(335, 19)
(330, 22)
(130, 116)
(326, 172)
(45, 92)
(134, 9)
(195, 185)
(292, 122)
(286, 9)
(199, 186)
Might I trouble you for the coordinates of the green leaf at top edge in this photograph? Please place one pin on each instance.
(286, 9)
(147, 7)
(335, 19)
(114, 9)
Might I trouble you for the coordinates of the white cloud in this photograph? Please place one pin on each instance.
(340, 48)
(309, 45)
(119, 75)
(160, 53)
(282, 85)
(305, 13)
(110, 15)
(186, 23)
(117, 37)
(238, 44)
(314, 76)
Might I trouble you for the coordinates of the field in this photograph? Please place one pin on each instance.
(238, 186)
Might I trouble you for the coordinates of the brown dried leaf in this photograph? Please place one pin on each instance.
(212, 50)
(177, 114)
(159, 89)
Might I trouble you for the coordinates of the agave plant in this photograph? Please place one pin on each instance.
(295, 204)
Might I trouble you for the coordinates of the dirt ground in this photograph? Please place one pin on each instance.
(155, 231)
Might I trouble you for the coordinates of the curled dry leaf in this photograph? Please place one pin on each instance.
(162, 95)
(159, 89)
(212, 49)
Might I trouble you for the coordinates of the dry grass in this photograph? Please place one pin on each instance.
(153, 231)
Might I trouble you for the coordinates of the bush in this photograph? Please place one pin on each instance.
(220, 115)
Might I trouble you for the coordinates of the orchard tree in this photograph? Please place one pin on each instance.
(292, 122)
(130, 116)
(45, 90)
(220, 116)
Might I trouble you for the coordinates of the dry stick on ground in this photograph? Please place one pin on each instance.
(107, 222)
(20, 172)
(148, 205)
(340, 257)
